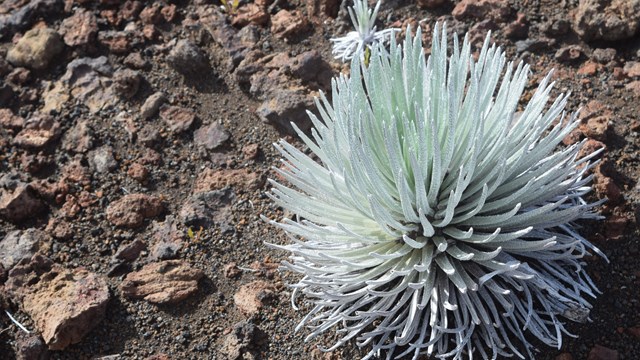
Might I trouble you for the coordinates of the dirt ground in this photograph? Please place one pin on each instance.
(115, 178)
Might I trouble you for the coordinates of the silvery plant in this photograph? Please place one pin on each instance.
(436, 213)
(365, 36)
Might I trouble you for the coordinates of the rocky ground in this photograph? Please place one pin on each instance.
(135, 140)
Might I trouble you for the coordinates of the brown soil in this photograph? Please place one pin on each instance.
(196, 328)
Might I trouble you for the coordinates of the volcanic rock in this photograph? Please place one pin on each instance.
(165, 282)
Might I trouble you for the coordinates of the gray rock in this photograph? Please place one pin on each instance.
(126, 82)
(207, 208)
(188, 59)
(19, 245)
(130, 252)
(239, 343)
(211, 137)
(531, 45)
(285, 107)
(102, 160)
(24, 16)
(604, 56)
(166, 238)
(151, 106)
(31, 347)
(89, 80)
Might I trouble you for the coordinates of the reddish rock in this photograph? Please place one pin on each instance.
(177, 118)
(112, 16)
(635, 332)
(325, 8)
(10, 121)
(151, 14)
(596, 128)
(150, 32)
(517, 29)
(497, 10)
(211, 137)
(285, 24)
(76, 173)
(136, 61)
(632, 68)
(19, 76)
(250, 151)
(36, 48)
(634, 87)
(616, 226)
(79, 138)
(609, 20)
(606, 187)
(574, 136)
(59, 229)
(130, 9)
(48, 189)
(431, 4)
(131, 210)
(33, 163)
(244, 178)
(600, 352)
(251, 297)
(168, 12)
(19, 204)
(138, 172)
(564, 356)
(266, 268)
(38, 132)
(569, 53)
(150, 157)
(71, 208)
(592, 109)
(231, 270)
(250, 13)
(117, 41)
(166, 282)
(79, 29)
(158, 357)
(590, 146)
(64, 304)
(589, 68)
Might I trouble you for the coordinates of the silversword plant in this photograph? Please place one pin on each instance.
(440, 219)
(365, 35)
